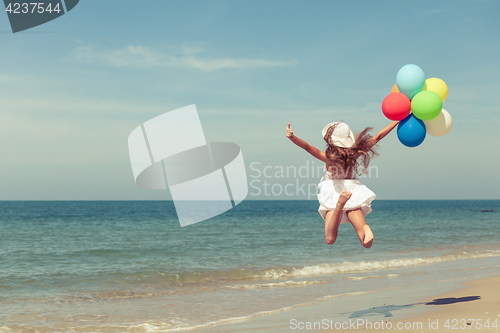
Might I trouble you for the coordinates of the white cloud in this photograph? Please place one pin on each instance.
(145, 57)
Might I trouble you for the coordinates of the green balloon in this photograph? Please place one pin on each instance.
(426, 105)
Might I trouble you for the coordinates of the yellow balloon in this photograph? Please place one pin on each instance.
(438, 86)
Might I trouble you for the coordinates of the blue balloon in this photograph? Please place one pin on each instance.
(410, 80)
(411, 131)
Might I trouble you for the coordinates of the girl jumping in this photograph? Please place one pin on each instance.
(342, 198)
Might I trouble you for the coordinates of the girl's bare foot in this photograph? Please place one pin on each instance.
(344, 196)
(368, 234)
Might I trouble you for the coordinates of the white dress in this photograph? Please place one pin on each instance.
(329, 193)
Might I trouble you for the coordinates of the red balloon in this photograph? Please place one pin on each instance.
(396, 106)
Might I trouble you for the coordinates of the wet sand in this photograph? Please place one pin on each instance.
(444, 306)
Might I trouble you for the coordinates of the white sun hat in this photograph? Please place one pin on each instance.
(342, 135)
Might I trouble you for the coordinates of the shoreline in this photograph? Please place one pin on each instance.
(422, 308)
(475, 306)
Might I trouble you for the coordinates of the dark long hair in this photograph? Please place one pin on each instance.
(346, 161)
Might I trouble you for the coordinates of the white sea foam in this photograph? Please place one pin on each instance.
(363, 266)
(276, 285)
(372, 276)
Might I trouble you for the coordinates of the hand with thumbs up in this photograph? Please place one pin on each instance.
(289, 131)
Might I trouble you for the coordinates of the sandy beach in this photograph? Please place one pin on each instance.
(436, 307)
(476, 307)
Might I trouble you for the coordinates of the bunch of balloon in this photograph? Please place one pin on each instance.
(418, 104)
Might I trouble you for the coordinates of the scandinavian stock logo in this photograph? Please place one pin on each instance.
(205, 179)
(26, 15)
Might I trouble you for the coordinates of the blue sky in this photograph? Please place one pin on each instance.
(73, 89)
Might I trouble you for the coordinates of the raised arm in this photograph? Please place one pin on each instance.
(383, 132)
(315, 152)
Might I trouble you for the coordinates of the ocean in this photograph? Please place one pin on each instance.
(128, 266)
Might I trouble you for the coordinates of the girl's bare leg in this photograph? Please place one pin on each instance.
(333, 217)
(364, 232)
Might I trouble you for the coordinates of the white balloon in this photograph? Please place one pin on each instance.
(440, 125)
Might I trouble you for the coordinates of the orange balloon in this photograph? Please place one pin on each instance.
(394, 89)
